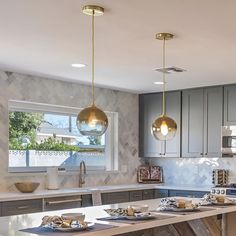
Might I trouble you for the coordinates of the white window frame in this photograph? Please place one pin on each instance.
(111, 147)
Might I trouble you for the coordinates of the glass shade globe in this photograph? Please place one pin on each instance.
(164, 128)
(92, 121)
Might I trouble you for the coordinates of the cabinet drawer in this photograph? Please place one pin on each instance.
(181, 193)
(117, 197)
(148, 194)
(161, 193)
(135, 195)
(59, 203)
(21, 207)
(87, 200)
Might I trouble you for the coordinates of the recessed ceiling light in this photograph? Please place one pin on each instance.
(78, 65)
(158, 82)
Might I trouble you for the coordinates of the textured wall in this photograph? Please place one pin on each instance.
(194, 170)
(36, 89)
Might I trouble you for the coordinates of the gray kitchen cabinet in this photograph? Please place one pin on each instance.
(186, 193)
(230, 105)
(148, 194)
(59, 203)
(115, 197)
(201, 122)
(21, 207)
(192, 123)
(161, 193)
(150, 108)
(173, 110)
(135, 195)
(213, 120)
(0, 209)
(87, 200)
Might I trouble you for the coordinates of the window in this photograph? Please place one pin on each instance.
(41, 136)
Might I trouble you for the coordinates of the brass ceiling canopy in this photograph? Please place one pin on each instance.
(166, 36)
(164, 128)
(93, 10)
(92, 121)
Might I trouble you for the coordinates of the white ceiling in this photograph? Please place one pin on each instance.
(45, 37)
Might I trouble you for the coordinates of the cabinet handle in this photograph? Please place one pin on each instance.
(201, 154)
(22, 207)
(206, 154)
(64, 201)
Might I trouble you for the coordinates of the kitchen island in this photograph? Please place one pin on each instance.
(207, 221)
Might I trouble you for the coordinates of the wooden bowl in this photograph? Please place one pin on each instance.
(27, 187)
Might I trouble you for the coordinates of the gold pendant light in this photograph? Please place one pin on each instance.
(92, 121)
(164, 128)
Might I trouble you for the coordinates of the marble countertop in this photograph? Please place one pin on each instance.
(11, 225)
(11, 196)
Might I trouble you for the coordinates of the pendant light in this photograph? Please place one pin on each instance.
(92, 121)
(164, 127)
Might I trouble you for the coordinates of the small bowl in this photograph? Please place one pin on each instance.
(27, 187)
(140, 208)
(73, 216)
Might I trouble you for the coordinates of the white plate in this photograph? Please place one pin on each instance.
(74, 228)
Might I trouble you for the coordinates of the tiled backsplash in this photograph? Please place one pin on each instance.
(41, 90)
(196, 171)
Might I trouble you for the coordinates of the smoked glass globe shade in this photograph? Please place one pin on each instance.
(92, 121)
(164, 128)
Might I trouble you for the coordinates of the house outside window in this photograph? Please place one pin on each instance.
(42, 136)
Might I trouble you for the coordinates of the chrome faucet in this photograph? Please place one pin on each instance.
(82, 172)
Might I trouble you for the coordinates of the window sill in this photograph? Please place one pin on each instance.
(61, 173)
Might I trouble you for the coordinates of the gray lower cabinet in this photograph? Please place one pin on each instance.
(87, 200)
(136, 195)
(202, 111)
(161, 193)
(21, 207)
(0, 209)
(116, 197)
(230, 105)
(183, 193)
(59, 203)
(150, 108)
(148, 194)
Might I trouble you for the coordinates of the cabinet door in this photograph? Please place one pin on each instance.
(21, 207)
(161, 193)
(173, 110)
(116, 197)
(136, 195)
(59, 203)
(185, 193)
(230, 105)
(150, 109)
(87, 200)
(192, 123)
(148, 194)
(213, 117)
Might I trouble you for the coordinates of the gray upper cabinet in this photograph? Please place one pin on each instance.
(213, 117)
(150, 108)
(173, 110)
(230, 105)
(192, 123)
(201, 122)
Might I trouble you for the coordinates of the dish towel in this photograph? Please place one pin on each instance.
(96, 198)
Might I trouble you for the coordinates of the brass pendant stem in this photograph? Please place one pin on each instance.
(93, 57)
(164, 78)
